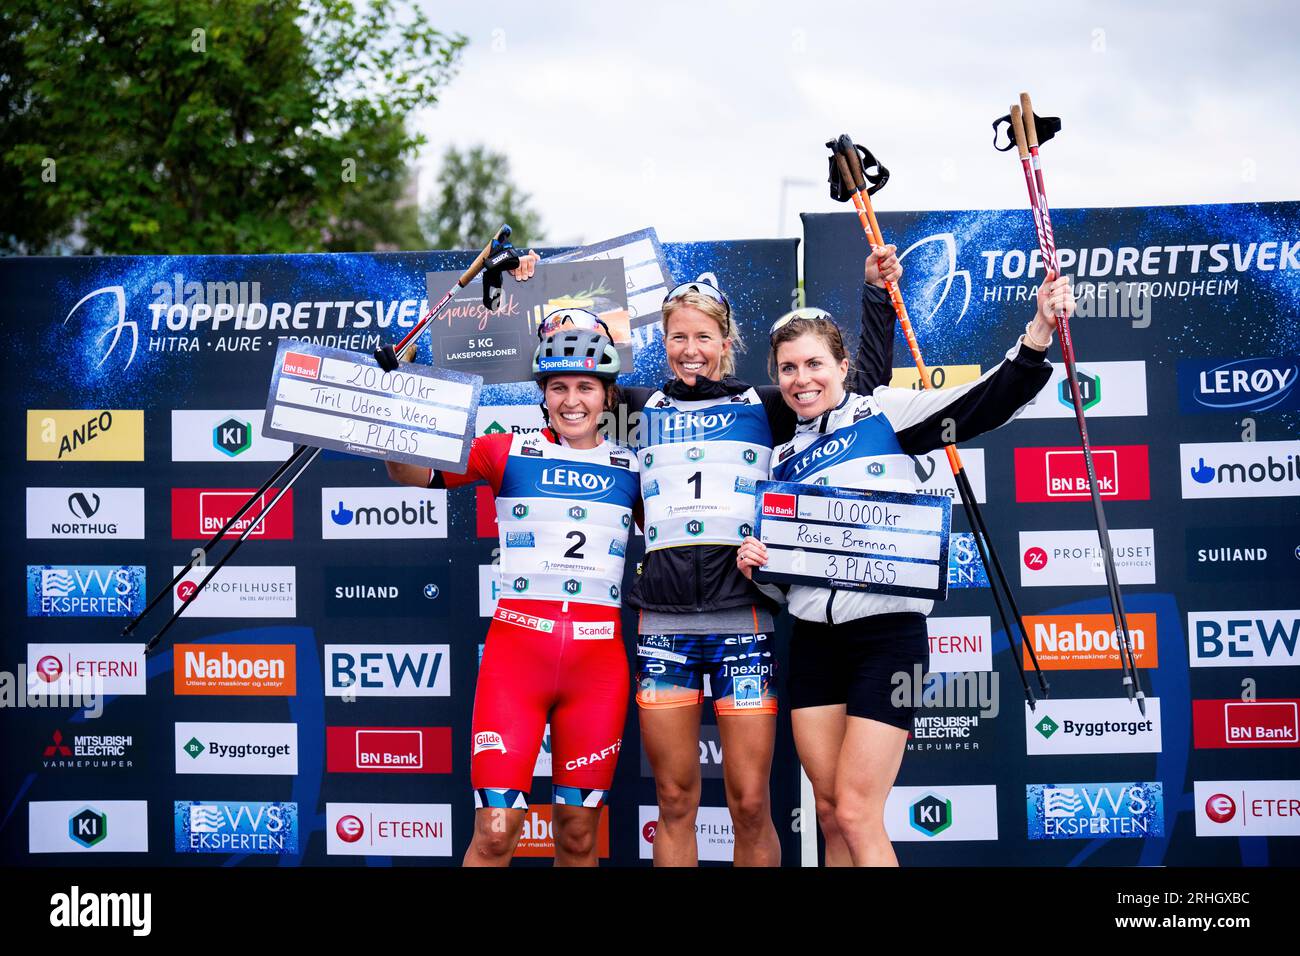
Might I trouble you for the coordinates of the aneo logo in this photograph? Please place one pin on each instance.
(1242, 638)
(199, 513)
(1069, 811)
(1240, 386)
(1246, 725)
(1240, 469)
(1237, 808)
(383, 513)
(1083, 641)
(85, 513)
(85, 434)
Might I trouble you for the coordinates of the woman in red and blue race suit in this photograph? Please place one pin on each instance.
(849, 646)
(565, 499)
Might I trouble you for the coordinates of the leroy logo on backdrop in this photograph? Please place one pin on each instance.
(1240, 386)
(1060, 474)
(1246, 725)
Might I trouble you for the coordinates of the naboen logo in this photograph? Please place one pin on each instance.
(383, 513)
(1242, 638)
(1246, 725)
(1061, 474)
(1240, 386)
(1082, 641)
(263, 670)
(1067, 558)
(778, 505)
(1240, 469)
(387, 670)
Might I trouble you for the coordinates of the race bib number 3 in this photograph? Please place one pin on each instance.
(881, 541)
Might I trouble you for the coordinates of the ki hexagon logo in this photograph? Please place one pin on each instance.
(931, 815)
(1089, 390)
(750, 456)
(695, 454)
(88, 827)
(649, 459)
(652, 533)
(627, 521)
(875, 469)
(578, 513)
(695, 527)
(520, 511)
(1047, 726)
(520, 584)
(232, 437)
(745, 530)
(613, 592)
(572, 586)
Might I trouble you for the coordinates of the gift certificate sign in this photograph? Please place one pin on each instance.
(887, 542)
(332, 398)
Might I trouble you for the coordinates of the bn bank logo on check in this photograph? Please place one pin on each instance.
(85, 434)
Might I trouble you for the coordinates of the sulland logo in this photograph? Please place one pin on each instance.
(931, 815)
(232, 437)
(1239, 386)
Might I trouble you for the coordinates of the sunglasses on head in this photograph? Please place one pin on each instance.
(573, 319)
(808, 314)
(704, 289)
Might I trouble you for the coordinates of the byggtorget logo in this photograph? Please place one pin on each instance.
(1103, 725)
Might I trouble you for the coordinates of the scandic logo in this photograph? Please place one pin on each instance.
(1223, 724)
(304, 366)
(778, 505)
(388, 749)
(1060, 474)
(199, 513)
(241, 670)
(1084, 641)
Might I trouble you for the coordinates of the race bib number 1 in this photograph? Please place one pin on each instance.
(332, 398)
(886, 542)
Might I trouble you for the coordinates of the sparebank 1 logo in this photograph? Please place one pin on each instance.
(117, 323)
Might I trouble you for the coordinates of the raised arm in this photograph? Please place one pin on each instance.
(873, 365)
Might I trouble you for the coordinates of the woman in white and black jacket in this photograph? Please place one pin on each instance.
(847, 645)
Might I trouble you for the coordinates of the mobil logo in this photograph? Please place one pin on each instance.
(1239, 385)
(1061, 474)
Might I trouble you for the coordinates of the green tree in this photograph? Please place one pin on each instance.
(211, 126)
(475, 196)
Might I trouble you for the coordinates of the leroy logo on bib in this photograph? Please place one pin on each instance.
(574, 483)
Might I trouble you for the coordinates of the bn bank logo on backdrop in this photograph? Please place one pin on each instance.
(1246, 725)
(1242, 638)
(84, 513)
(224, 436)
(1238, 808)
(1244, 553)
(715, 837)
(942, 814)
(388, 749)
(85, 434)
(218, 826)
(1104, 725)
(1060, 474)
(934, 474)
(199, 513)
(383, 513)
(106, 669)
(1240, 386)
(387, 670)
(238, 591)
(235, 670)
(1240, 469)
(1094, 811)
(965, 569)
(1086, 641)
(85, 590)
(88, 826)
(1070, 558)
(388, 829)
(960, 644)
(237, 748)
(1106, 389)
(369, 591)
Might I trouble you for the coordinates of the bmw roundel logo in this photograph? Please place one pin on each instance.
(431, 591)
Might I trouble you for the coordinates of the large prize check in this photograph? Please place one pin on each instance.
(332, 398)
(888, 542)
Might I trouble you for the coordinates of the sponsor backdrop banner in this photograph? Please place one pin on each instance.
(317, 712)
(1188, 344)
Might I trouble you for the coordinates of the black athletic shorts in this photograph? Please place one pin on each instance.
(854, 664)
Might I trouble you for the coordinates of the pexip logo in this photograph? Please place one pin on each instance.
(574, 483)
(824, 454)
(1242, 385)
(1072, 811)
(235, 827)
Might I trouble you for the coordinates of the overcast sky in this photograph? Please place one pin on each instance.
(689, 116)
